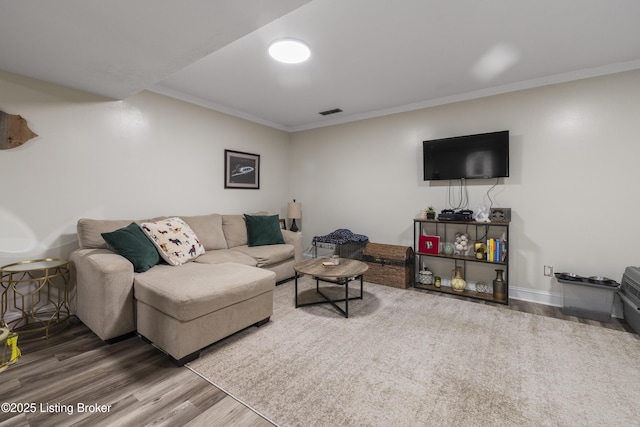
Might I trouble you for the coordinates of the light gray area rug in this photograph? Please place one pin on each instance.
(406, 358)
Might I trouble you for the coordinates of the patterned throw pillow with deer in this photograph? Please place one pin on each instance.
(176, 242)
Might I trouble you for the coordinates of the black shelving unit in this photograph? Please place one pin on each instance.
(477, 231)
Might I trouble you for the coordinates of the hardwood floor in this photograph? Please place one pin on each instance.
(133, 383)
(544, 310)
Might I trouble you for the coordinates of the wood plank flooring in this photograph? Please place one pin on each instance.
(131, 381)
(543, 310)
(134, 383)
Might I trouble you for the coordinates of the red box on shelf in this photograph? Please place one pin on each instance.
(429, 244)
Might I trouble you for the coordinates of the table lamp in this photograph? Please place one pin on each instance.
(294, 211)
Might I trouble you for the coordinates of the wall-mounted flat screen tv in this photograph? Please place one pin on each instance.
(484, 155)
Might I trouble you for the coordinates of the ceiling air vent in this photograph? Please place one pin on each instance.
(333, 111)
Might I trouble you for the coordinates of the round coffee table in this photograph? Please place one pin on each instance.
(341, 274)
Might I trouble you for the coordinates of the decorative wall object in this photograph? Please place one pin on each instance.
(241, 170)
(13, 131)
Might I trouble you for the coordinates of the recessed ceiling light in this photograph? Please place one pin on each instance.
(289, 51)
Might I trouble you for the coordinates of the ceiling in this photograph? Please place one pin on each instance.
(369, 57)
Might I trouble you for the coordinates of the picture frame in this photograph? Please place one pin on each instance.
(241, 170)
(283, 224)
(429, 244)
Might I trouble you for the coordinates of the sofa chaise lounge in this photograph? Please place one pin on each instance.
(223, 283)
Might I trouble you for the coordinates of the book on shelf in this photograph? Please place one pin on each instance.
(503, 254)
(492, 249)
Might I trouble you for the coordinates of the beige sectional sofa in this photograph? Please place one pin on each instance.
(227, 285)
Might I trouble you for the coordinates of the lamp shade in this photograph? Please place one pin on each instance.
(294, 210)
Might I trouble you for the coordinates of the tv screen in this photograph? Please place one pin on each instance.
(483, 155)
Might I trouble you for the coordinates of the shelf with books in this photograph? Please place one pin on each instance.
(484, 251)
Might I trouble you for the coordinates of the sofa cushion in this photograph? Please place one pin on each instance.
(195, 289)
(235, 229)
(134, 245)
(176, 242)
(208, 228)
(226, 255)
(263, 230)
(90, 231)
(267, 255)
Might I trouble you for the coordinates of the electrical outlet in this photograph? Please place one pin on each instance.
(548, 270)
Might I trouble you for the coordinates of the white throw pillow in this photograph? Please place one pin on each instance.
(176, 242)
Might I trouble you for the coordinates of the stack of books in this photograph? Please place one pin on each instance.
(496, 250)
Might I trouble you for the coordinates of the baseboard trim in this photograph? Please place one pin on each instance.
(537, 296)
(554, 299)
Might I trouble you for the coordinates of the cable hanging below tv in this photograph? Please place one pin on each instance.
(479, 156)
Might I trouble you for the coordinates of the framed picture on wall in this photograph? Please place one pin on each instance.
(241, 170)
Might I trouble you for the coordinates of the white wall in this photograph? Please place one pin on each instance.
(146, 156)
(575, 153)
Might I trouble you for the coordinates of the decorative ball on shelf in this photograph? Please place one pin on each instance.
(482, 287)
(449, 248)
(461, 244)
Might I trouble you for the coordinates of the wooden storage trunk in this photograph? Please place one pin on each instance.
(390, 265)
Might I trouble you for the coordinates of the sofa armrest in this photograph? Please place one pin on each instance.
(104, 292)
(295, 239)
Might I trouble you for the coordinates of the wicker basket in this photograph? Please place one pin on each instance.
(351, 250)
(390, 265)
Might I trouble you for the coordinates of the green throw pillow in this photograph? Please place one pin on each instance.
(134, 245)
(263, 230)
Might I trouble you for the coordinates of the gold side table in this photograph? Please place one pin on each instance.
(39, 292)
